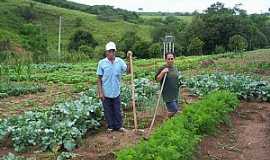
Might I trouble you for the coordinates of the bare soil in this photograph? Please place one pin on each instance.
(14, 105)
(248, 137)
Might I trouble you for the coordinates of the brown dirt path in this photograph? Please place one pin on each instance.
(247, 139)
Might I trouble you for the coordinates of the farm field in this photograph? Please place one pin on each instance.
(65, 86)
(74, 78)
(51, 107)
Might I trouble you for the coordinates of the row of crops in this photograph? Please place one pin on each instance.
(85, 72)
(16, 89)
(79, 75)
(56, 73)
(245, 87)
(64, 125)
(28, 68)
(178, 137)
(61, 127)
(62, 156)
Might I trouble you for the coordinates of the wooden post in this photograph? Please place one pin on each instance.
(133, 91)
(159, 96)
(59, 37)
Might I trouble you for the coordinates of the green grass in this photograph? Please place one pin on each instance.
(185, 18)
(255, 62)
(48, 17)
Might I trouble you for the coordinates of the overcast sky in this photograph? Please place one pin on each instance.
(252, 6)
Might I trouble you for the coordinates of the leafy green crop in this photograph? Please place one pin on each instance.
(145, 90)
(244, 86)
(60, 126)
(52, 67)
(16, 89)
(177, 138)
(11, 156)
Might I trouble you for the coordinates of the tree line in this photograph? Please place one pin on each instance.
(217, 30)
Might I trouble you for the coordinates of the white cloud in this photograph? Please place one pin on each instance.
(179, 5)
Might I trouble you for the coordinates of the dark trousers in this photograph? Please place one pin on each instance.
(112, 112)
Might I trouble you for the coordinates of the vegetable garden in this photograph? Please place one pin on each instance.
(61, 128)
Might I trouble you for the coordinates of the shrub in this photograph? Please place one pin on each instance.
(80, 38)
(89, 51)
(27, 12)
(220, 49)
(155, 50)
(195, 47)
(237, 43)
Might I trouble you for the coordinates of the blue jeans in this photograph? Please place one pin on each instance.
(112, 112)
(172, 106)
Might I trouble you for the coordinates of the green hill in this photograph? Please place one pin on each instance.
(187, 19)
(14, 14)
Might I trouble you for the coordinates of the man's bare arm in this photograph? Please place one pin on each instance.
(100, 90)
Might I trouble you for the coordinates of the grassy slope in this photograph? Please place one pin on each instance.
(185, 18)
(48, 17)
(255, 63)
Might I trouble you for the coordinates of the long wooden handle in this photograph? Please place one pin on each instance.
(133, 91)
(159, 96)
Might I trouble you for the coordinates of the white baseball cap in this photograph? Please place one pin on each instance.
(110, 45)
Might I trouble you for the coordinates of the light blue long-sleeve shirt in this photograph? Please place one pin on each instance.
(111, 76)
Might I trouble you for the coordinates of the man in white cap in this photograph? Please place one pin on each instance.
(109, 71)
